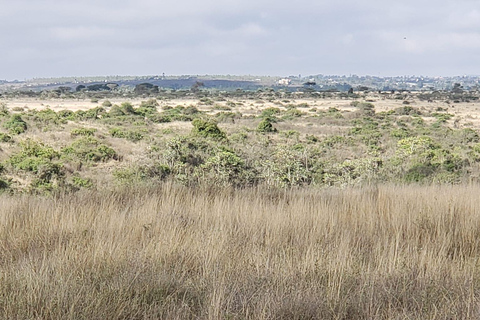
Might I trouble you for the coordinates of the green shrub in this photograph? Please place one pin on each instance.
(400, 133)
(221, 107)
(4, 110)
(15, 125)
(416, 145)
(66, 114)
(132, 135)
(46, 118)
(80, 182)
(269, 112)
(127, 108)
(365, 108)
(32, 156)
(226, 168)
(207, 101)
(288, 166)
(366, 130)
(115, 111)
(207, 128)
(143, 173)
(419, 172)
(90, 114)
(292, 114)
(4, 184)
(266, 125)
(311, 138)
(334, 112)
(83, 132)
(106, 104)
(352, 172)
(5, 137)
(89, 149)
(150, 103)
(407, 110)
(159, 118)
(290, 134)
(442, 117)
(39, 159)
(331, 141)
(179, 113)
(227, 116)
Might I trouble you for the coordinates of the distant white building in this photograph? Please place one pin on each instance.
(284, 82)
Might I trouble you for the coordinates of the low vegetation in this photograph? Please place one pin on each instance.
(277, 147)
(223, 208)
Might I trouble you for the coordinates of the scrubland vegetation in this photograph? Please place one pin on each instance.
(235, 143)
(224, 207)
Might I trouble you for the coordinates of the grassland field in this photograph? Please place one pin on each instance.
(239, 208)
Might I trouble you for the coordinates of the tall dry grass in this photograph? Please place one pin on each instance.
(178, 253)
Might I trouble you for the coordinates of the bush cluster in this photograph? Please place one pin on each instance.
(401, 146)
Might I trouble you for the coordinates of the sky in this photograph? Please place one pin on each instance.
(54, 38)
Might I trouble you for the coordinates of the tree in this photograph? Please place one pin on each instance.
(146, 88)
(196, 86)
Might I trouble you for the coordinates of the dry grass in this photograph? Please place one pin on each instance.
(178, 253)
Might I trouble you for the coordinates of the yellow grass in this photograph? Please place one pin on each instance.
(177, 253)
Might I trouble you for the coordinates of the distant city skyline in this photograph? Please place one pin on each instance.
(53, 38)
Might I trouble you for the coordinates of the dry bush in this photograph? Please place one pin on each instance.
(177, 253)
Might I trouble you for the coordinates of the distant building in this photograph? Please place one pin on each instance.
(284, 82)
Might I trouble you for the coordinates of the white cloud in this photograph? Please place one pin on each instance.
(81, 33)
(250, 36)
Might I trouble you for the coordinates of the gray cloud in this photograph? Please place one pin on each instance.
(54, 38)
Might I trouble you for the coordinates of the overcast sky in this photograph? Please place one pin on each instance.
(49, 38)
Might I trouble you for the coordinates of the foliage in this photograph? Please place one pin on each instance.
(89, 149)
(132, 135)
(407, 110)
(4, 110)
(333, 147)
(46, 117)
(352, 172)
(39, 159)
(207, 128)
(82, 183)
(226, 168)
(141, 173)
(32, 156)
(146, 108)
(90, 114)
(270, 112)
(367, 130)
(15, 125)
(106, 104)
(291, 114)
(364, 108)
(5, 137)
(290, 166)
(83, 132)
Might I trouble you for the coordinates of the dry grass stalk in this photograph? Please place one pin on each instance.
(177, 253)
